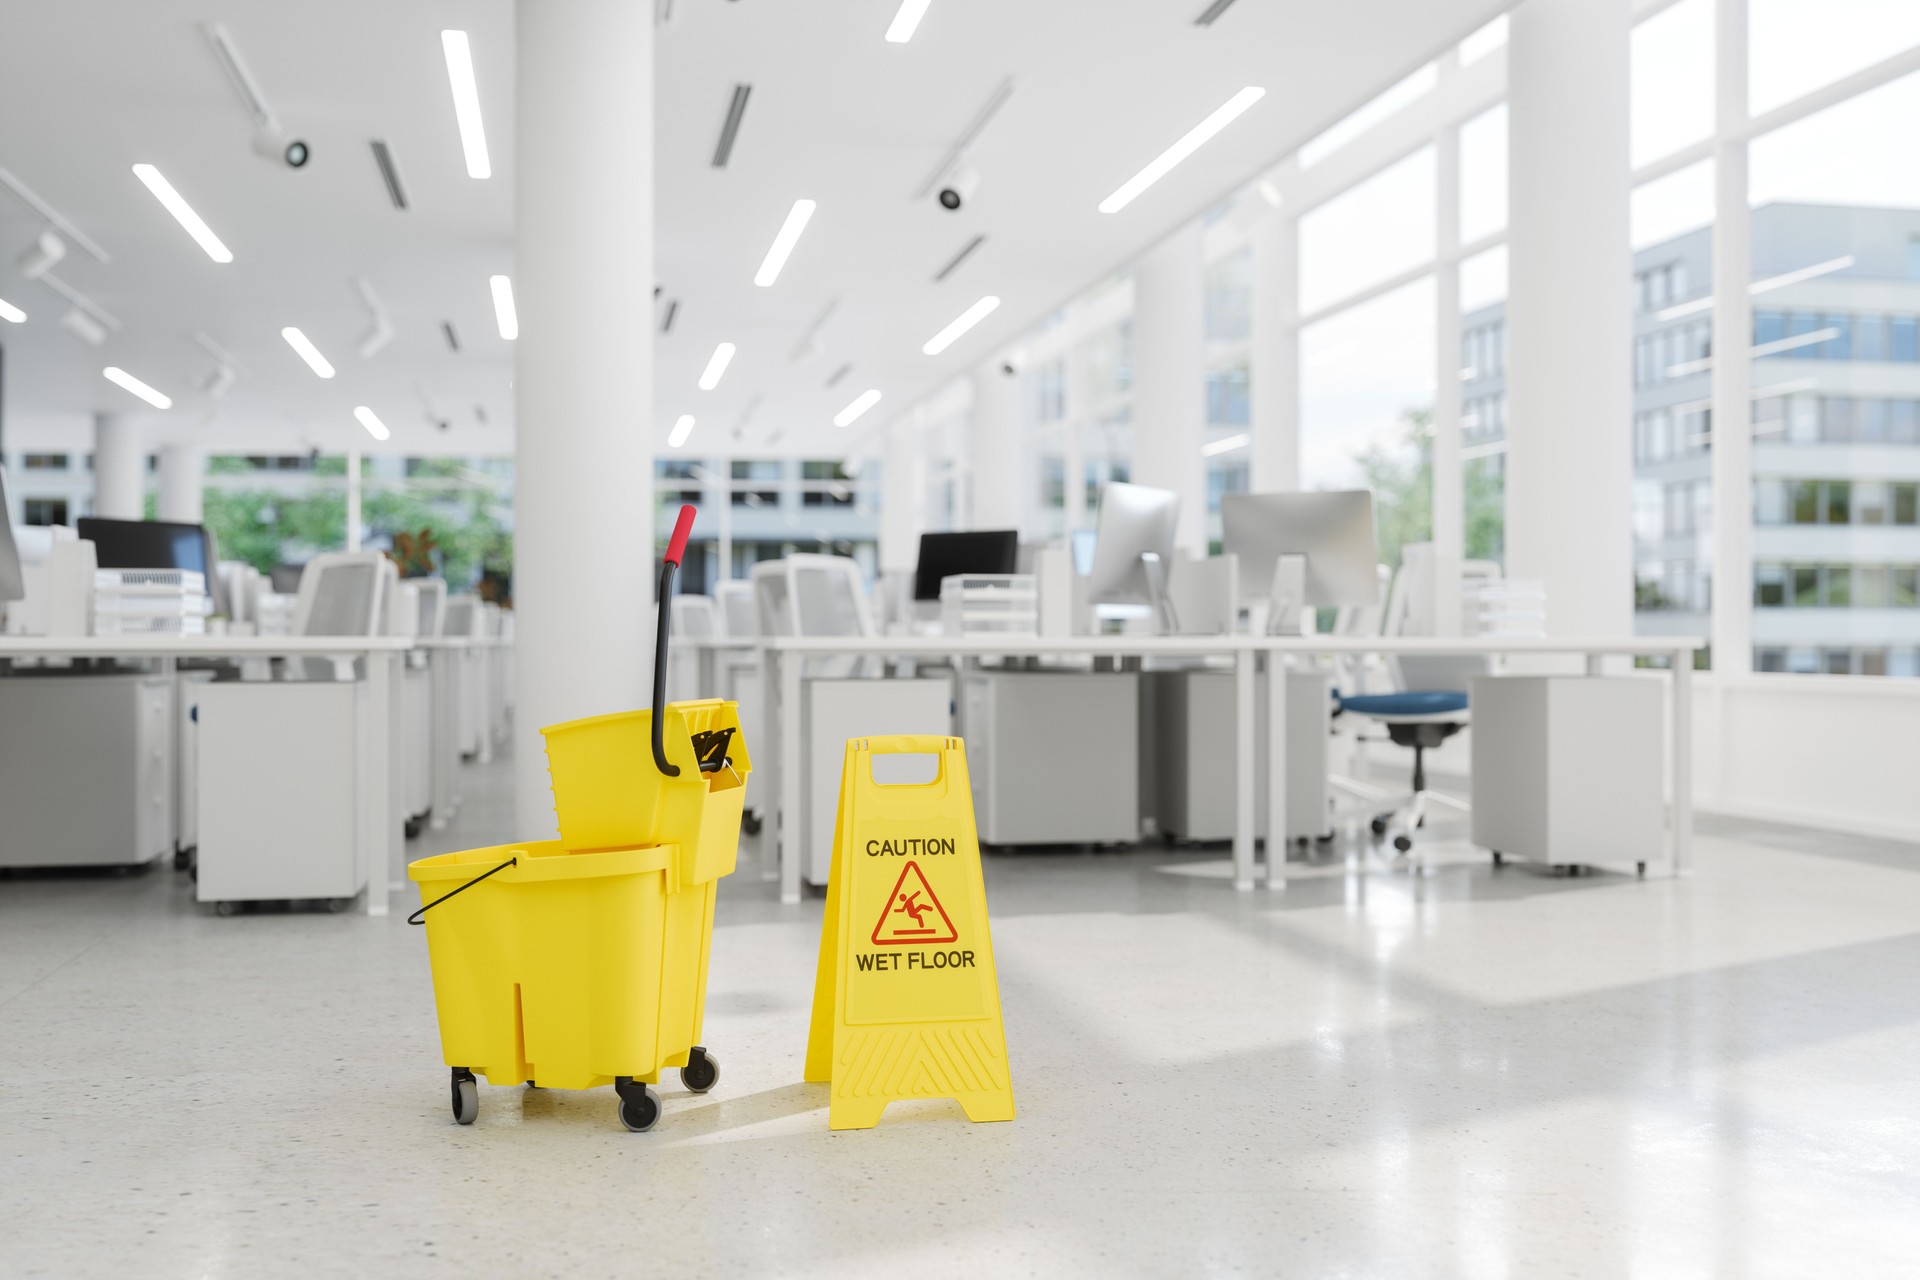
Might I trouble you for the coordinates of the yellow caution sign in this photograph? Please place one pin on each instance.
(905, 1000)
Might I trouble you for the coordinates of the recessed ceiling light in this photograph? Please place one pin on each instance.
(10, 312)
(716, 367)
(905, 20)
(466, 102)
(866, 401)
(972, 316)
(1173, 155)
(371, 421)
(783, 243)
(682, 428)
(503, 313)
(182, 212)
(308, 352)
(121, 378)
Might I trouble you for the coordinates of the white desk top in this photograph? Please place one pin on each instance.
(1201, 645)
(164, 646)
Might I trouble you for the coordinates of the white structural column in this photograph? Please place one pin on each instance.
(183, 470)
(994, 443)
(584, 562)
(1569, 386)
(119, 467)
(1170, 377)
(354, 484)
(1732, 568)
(903, 486)
(1449, 489)
(1274, 370)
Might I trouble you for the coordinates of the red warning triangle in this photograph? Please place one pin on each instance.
(913, 913)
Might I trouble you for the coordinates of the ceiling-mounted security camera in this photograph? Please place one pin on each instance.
(958, 187)
(269, 139)
(272, 142)
(42, 254)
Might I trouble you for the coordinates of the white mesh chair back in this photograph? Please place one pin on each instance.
(736, 609)
(695, 616)
(433, 606)
(340, 595)
(464, 617)
(402, 609)
(829, 596)
(773, 599)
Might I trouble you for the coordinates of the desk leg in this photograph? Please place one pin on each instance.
(377, 810)
(440, 668)
(1682, 764)
(791, 775)
(1277, 816)
(1243, 716)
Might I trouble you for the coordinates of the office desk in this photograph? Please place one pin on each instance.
(382, 820)
(784, 655)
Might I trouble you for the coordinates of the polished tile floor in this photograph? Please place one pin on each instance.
(1388, 1070)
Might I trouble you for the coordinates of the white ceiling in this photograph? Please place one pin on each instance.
(90, 87)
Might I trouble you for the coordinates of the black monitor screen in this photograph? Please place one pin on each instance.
(942, 555)
(146, 544)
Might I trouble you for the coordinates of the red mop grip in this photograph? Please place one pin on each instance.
(677, 545)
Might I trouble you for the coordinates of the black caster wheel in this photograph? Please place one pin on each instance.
(702, 1071)
(1403, 843)
(182, 859)
(1640, 870)
(466, 1097)
(750, 823)
(1378, 826)
(1326, 839)
(639, 1104)
(413, 828)
(226, 908)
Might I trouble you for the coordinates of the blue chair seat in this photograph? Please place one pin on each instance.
(1385, 706)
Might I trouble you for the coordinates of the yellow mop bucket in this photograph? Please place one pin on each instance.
(583, 961)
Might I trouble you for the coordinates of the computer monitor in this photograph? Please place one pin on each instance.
(1133, 545)
(13, 584)
(1332, 530)
(942, 555)
(155, 544)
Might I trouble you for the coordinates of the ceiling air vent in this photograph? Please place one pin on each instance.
(730, 127)
(383, 158)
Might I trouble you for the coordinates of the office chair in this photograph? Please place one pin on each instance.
(433, 607)
(1428, 704)
(735, 600)
(695, 617)
(341, 593)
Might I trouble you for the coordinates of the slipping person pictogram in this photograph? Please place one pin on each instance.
(906, 918)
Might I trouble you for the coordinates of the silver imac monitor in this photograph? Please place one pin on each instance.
(12, 582)
(1133, 545)
(1333, 530)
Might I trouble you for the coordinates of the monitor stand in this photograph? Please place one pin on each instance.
(1161, 602)
(1287, 595)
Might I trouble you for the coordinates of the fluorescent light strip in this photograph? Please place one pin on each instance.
(906, 19)
(121, 378)
(866, 401)
(503, 313)
(783, 243)
(972, 316)
(717, 367)
(182, 212)
(1195, 139)
(466, 103)
(371, 421)
(682, 428)
(10, 312)
(1226, 444)
(308, 352)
